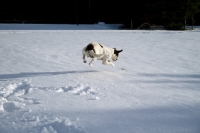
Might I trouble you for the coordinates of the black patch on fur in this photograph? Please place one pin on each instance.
(116, 52)
(90, 47)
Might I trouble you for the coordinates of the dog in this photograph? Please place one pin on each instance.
(97, 51)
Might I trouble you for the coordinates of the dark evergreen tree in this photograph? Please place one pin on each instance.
(173, 14)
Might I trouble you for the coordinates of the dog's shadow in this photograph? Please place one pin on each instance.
(4, 77)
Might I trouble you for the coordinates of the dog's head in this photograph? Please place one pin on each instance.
(116, 54)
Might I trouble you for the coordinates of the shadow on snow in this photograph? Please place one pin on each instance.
(168, 78)
(3, 77)
(197, 76)
(173, 119)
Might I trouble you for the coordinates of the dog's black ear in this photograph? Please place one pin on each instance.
(120, 51)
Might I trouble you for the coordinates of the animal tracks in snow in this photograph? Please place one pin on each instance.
(11, 96)
(17, 89)
(81, 89)
(17, 98)
(14, 95)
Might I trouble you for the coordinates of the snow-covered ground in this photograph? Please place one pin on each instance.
(46, 88)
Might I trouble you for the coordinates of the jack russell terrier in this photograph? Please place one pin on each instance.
(98, 51)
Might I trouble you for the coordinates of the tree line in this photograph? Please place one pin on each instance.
(172, 14)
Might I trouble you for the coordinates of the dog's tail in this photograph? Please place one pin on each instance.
(91, 52)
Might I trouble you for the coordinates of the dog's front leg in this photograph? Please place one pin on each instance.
(107, 62)
(84, 60)
(93, 59)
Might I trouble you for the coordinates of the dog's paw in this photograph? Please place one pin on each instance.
(84, 61)
(112, 65)
(91, 65)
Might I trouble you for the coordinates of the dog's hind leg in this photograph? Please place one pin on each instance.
(93, 59)
(84, 60)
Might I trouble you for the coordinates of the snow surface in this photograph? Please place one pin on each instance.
(46, 88)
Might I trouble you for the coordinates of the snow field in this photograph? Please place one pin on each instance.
(46, 88)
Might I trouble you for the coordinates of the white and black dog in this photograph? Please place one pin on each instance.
(98, 51)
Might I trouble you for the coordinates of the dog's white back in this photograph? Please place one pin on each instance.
(98, 51)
